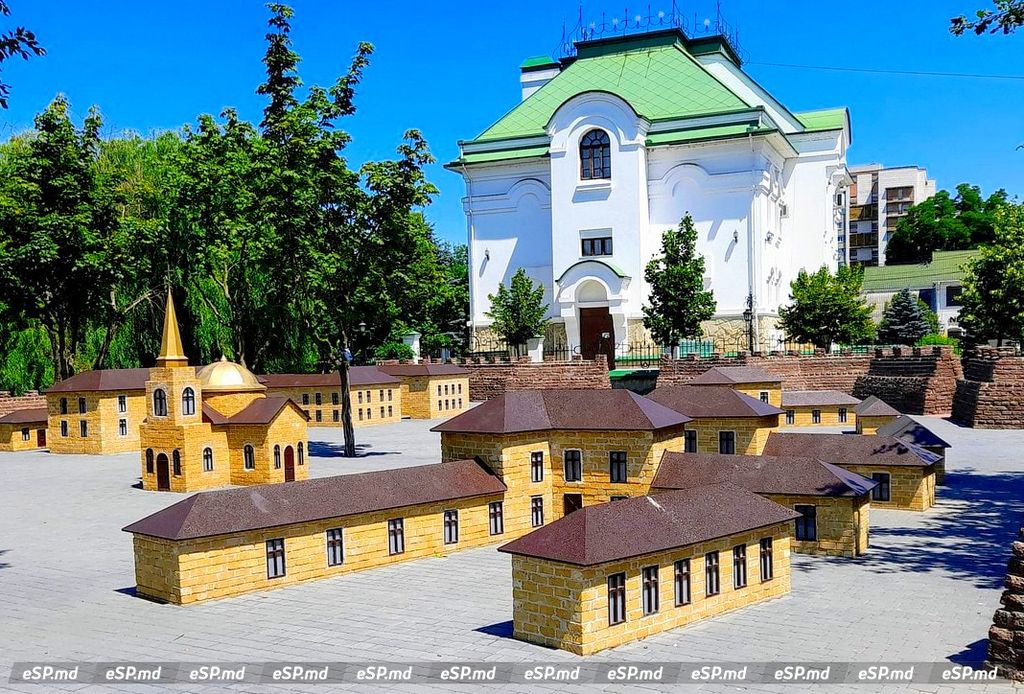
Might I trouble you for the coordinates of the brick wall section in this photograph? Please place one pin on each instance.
(798, 372)
(913, 380)
(9, 403)
(990, 395)
(1006, 637)
(489, 380)
(841, 523)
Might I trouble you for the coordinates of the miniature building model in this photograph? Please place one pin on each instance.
(561, 450)
(828, 408)
(751, 380)
(723, 420)
(833, 503)
(376, 397)
(23, 430)
(904, 472)
(215, 426)
(873, 413)
(613, 573)
(909, 430)
(430, 390)
(97, 412)
(280, 534)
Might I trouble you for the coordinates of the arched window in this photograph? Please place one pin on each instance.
(208, 460)
(302, 455)
(277, 457)
(188, 401)
(250, 457)
(160, 402)
(176, 458)
(595, 155)
(149, 460)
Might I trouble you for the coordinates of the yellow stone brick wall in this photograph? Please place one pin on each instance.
(870, 425)
(422, 400)
(390, 400)
(754, 390)
(912, 488)
(209, 568)
(288, 429)
(102, 416)
(190, 440)
(842, 524)
(804, 416)
(564, 606)
(230, 404)
(751, 432)
(11, 437)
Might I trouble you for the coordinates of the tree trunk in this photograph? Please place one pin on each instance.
(346, 409)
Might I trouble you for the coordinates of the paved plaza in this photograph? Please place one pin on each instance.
(925, 592)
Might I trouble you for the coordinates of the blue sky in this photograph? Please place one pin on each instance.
(451, 68)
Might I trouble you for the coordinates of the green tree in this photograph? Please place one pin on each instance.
(993, 286)
(1007, 17)
(518, 311)
(903, 321)
(945, 223)
(827, 309)
(18, 42)
(678, 299)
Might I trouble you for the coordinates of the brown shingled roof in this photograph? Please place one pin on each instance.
(733, 375)
(761, 474)
(259, 411)
(812, 398)
(357, 376)
(849, 449)
(609, 409)
(873, 406)
(643, 524)
(711, 401)
(271, 505)
(101, 380)
(30, 415)
(423, 369)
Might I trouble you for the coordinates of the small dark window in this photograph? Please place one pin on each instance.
(396, 536)
(391, 411)
(319, 415)
(842, 415)
(618, 497)
(727, 442)
(305, 398)
(277, 457)
(711, 575)
(682, 576)
(537, 466)
(537, 511)
(249, 457)
(122, 427)
(83, 428)
(81, 405)
(275, 558)
(767, 567)
(596, 246)
(149, 460)
(302, 453)
(790, 416)
(595, 155)
(64, 427)
(334, 398)
(573, 460)
(176, 457)
(497, 517)
(359, 397)
(390, 393)
(690, 441)
(25, 435)
(160, 402)
(188, 401)
(739, 566)
(122, 403)
(617, 598)
(617, 466)
(63, 405)
(318, 399)
(207, 460)
(451, 527)
(764, 395)
(335, 548)
(815, 416)
(807, 523)
(335, 416)
(883, 490)
(649, 589)
(382, 413)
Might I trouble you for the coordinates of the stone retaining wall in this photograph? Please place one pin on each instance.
(918, 380)
(818, 371)
(1006, 637)
(990, 394)
(9, 403)
(489, 380)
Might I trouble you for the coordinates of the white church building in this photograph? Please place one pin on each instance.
(611, 147)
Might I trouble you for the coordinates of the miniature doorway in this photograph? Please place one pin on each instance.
(41, 438)
(163, 473)
(289, 464)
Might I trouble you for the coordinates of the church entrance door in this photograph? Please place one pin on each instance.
(289, 464)
(597, 334)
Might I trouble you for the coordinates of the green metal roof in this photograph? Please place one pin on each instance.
(945, 266)
(716, 132)
(824, 119)
(501, 155)
(538, 61)
(654, 74)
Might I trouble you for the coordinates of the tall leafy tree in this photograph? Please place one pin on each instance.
(518, 312)
(993, 286)
(903, 321)
(678, 299)
(827, 309)
(1006, 18)
(16, 42)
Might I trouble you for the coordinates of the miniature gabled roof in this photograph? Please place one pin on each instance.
(735, 375)
(102, 380)
(699, 402)
(811, 398)
(761, 474)
(608, 409)
(270, 505)
(423, 369)
(357, 376)
(873, 406)
(910, 430)
(29, 415)
(259, 411)
(849, 449)
(643, 524)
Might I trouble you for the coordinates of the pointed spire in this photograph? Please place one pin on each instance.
(171, 351)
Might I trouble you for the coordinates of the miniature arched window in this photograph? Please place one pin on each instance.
(208, 460)
(277, 457)
(188, 401)
(176, 458)
(250, 457)
(149, 460)
(302, 455)
(160, 402)
(595, 155)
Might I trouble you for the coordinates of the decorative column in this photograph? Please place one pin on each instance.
(1006, 637)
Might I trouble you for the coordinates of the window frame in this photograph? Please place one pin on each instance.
(159, 402)
(335, 546)
(682, 582)
(276, 565)
(536, 466)
(596, 247)
(731, 439)
(616, 585)
(800, 533)
(122, 404)
(687, 448)
(122, 427)
(649, 599)
(536, 511)
(712, 574)
(176, 462)
(815, 416)
(277, 456)
(766, 558)
(843, 415)
(451, 527)
(739, 566)
(883, 484)
(572, 462)
(620, 465)
(188, 401)
(496, 518)
(595, 144)
(208, 459)
(790, 416)
(396, 536)
(83, 428)
(248, 457)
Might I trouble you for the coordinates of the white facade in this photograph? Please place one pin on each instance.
(879, 198)
(764, 205)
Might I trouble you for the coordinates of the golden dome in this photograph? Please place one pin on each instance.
(227, 377)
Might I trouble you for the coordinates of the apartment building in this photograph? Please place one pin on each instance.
(879, 197)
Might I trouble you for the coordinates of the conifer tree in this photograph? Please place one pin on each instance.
(903, 322)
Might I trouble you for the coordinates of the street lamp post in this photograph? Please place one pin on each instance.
(748, 316)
